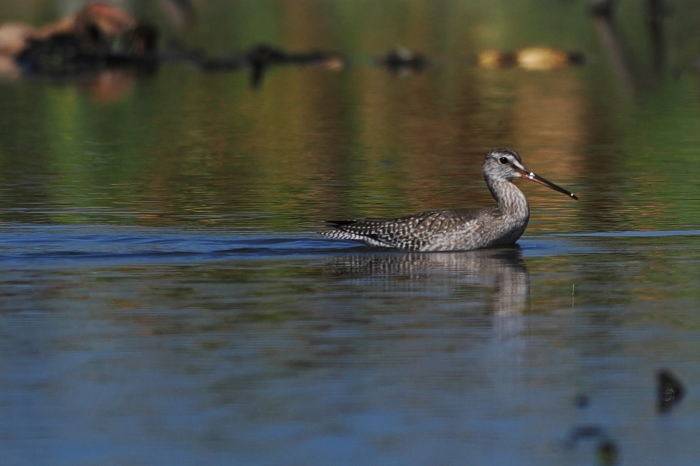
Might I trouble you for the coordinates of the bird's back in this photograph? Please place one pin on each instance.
(436, 230)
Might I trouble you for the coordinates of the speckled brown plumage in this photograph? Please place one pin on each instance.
(452, 230)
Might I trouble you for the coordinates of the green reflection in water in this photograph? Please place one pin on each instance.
(188, 148)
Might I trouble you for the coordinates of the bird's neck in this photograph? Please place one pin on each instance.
(510, 199)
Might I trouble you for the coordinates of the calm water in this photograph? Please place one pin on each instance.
(165, 300)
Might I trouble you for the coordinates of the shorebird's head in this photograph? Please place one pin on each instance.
(502, 164)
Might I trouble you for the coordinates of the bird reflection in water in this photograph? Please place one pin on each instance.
(502, 269)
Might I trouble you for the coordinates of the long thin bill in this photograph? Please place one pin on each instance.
(538, 179)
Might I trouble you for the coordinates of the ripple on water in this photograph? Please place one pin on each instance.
(33, 245)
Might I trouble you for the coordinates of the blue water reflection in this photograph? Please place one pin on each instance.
(187, 347)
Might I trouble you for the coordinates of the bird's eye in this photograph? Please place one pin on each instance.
(503, 160)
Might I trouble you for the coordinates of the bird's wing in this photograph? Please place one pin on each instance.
(409, 232)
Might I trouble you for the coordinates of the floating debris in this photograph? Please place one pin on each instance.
(267, 55)
(547, 58)
(670, 390)
(530, 58)
(608, 453)
(96, 37)
(101, 37)
(582, 401)
(263, 56)
(494, 59)
(403, 62)
(177, 50)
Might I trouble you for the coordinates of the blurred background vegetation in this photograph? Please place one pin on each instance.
(199, 149)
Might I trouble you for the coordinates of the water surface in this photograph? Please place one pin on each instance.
(165, 299)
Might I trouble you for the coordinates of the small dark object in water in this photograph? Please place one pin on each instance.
(232, 63)
(403, 61)
(530, 58)
(180, 51)
(494, 59)
(67, 55)
(59, 54)
(262, 56)
(670, 390)
(607, 449)
(71, 53)
(577, 58)
(265, 55)
(608, 453)
(582, 401)
(319, 58)
(547, 58)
